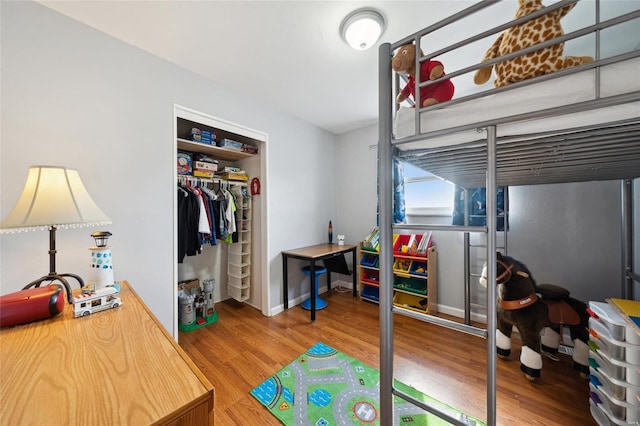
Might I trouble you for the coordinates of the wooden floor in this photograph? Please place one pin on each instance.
(244, 348)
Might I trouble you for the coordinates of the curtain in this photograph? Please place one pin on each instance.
(399, 211)
(477, 205)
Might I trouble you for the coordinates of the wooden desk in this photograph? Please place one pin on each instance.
(115, 367)
(314, 254)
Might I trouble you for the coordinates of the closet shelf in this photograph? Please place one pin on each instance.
(195, 179)
(220, 153)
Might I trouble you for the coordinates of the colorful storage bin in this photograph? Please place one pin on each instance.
(371, 277)
(371, 293)
(370, 260)
(411, 284)
(409, 301)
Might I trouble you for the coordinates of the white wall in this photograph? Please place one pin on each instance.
(356, 190)
(566, 234)
(76, 97)
(569, 235)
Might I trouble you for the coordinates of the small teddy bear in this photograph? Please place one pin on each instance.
(404, 62)
(534, 64)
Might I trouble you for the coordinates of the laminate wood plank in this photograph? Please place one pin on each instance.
(244, 348)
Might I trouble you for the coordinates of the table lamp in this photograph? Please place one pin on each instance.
(53, 197)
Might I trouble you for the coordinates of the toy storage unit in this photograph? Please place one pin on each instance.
(415, 283)
(614, 367)
(369, 273)
(414, 275)
(239, 267)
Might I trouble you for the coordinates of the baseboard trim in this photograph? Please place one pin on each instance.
(459, 313)
(348, 285)
(298, 300)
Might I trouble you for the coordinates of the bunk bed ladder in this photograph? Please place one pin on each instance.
(627, 207)
(387, 309)
(469, 275)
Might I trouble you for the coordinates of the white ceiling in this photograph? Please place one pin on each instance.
(285, 54)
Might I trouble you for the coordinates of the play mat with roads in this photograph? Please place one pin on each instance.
(325, 387)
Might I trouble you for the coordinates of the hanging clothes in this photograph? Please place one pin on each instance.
(220, 211)
(205, 216)
(230, 216)
(209, 197)
(198, 218)
(188, 218)
(237, 195)
(203, 220)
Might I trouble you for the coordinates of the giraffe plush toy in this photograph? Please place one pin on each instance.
(543, 61)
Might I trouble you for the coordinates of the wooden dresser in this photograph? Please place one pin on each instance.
(115, 367)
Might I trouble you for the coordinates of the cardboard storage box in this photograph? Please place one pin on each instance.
(203, 136)
(205, 166)
(184, 163)
(228, 143)
(188, 285)
(249, 149)
(203, 173)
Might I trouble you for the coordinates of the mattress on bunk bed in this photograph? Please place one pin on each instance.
(615, 79)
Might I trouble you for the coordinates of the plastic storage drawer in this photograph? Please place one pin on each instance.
(618, 329)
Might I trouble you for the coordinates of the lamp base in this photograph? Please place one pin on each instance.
(52, 276)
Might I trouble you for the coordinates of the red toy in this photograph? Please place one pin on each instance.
(34, 304)
(404, 62)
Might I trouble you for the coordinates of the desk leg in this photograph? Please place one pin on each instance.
(328, 281)
(312, 288)
(354, 275)
(285, 284)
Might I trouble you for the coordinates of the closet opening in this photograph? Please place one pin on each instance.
(217, 167)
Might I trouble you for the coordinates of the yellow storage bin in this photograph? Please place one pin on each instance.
(409, 301)
(401, 266)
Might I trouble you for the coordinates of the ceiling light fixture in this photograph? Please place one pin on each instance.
(362, 28)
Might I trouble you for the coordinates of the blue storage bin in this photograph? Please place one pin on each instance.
(370, 260)
(370, 292)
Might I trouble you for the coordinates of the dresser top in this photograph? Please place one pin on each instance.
(118, 366)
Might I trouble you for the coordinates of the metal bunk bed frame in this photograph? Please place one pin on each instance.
(623, 163)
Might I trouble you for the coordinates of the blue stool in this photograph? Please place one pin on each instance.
(320, 303)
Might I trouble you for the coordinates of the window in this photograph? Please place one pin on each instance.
(426, 194)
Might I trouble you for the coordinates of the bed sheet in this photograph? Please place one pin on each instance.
(615, 79)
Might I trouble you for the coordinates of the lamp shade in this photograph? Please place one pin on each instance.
(362, 28)
(53, 196)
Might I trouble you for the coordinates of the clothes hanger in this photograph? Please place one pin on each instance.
(184, 191)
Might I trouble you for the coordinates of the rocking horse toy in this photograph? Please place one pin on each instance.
(539, 312)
